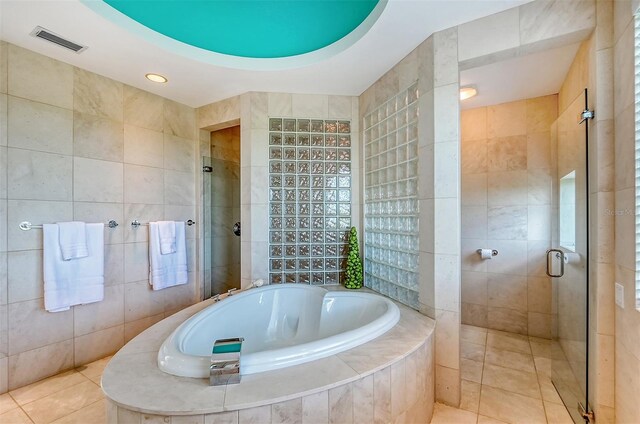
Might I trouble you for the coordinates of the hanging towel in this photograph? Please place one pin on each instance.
(171, 269)
(167, 233)
(73, 240)
(68, 283)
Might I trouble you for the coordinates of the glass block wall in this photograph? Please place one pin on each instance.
(391, 198)
(309, 200)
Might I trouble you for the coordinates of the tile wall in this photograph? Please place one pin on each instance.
(391, 198)
(507, 175)
(433, 64)
(627, 319)
(78, 146)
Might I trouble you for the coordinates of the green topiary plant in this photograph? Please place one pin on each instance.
(354, 263)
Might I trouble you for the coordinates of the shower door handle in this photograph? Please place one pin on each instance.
(559, 254)
(236, 229)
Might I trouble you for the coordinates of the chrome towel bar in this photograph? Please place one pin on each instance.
(26, 225)
(135, 223)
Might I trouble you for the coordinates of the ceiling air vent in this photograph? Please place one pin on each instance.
(45, 34)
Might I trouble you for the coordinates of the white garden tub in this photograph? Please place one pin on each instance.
(282, 325)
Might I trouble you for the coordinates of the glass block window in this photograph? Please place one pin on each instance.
(309, 200)
(391, 198)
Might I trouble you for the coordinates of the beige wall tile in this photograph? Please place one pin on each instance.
(97, 316)
(99, 344)
(97, 138)
(35, 212)
(179, 188)
(507, 223)
(473, 189)
(541, 113)
(315, 408)
(3, 119)
(136, 265)
(36, 364)
(447, 113)
(29, 317)
(473, 124)
(97, 181)
(490, 34)
(539, 150)
(474, 157)
(506, 319)
(507, 291)
(474, 288)
(39, 176)
(382, 395)
(143, 185)
(37, 126)
(97, 95)
(4, 53)
(287, 412)
(40, 78)
(24, 271)
(474, 222)
(507, 153)
(507, 188)
(540, 325)
(445, 58)
(544, 20)
(142, 213)
(143, 109)
(179, 153)
(279, 104)
(143, 146)
(133, 328)
(141, 301)
(102, 212)
(447, 385)
(261, 414)
(507, 119)
(179, 120)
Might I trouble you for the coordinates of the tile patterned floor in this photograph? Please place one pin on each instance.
(72, 397)
(505, 379)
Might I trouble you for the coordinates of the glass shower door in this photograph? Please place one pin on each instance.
(567, 261)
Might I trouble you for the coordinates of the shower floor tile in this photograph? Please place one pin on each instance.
(505, 379)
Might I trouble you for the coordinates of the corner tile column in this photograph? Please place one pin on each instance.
(439, 182)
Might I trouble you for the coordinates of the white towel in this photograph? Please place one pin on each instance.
(73, 240)
(167, 270)
(68, 283)
(167, 233)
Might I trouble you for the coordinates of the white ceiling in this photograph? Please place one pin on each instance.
(525, 77)
(126, 56)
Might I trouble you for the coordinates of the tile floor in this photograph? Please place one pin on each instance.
(505, 379)
(72, 397)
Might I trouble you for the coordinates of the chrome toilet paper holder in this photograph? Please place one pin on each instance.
(494, 252)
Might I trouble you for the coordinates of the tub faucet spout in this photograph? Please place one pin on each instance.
(225, 362)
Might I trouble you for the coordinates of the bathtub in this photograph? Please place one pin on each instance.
(282, 325)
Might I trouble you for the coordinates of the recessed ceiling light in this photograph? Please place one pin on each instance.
(156, 78)
(467, 92)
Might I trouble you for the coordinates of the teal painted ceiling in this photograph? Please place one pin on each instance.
(250, 28)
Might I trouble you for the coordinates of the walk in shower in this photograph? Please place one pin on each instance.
(221, 212)
(524, 194)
